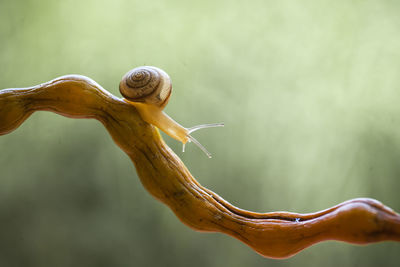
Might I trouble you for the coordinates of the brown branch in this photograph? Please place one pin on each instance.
(275, 234)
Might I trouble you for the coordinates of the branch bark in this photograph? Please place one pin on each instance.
(275, 234)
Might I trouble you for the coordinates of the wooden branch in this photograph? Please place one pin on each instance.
(275, 234)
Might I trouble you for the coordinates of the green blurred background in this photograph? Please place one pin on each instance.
(308, 90)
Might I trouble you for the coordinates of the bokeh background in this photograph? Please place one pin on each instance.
(308, 90)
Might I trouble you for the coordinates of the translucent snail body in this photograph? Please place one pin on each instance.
(155, 116)
(148, 89)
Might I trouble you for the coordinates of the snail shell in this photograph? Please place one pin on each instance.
(146, 84)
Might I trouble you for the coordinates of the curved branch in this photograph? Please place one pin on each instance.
(275, 234)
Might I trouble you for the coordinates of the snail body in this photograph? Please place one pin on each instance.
(148, 88)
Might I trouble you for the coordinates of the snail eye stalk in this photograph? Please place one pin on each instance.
(197, 143)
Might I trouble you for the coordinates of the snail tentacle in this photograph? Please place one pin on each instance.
(197, 143)
(198, 127)
(203, 126)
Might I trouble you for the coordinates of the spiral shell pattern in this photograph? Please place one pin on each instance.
(146, 84)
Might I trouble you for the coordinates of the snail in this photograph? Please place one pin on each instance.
(148, 88)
